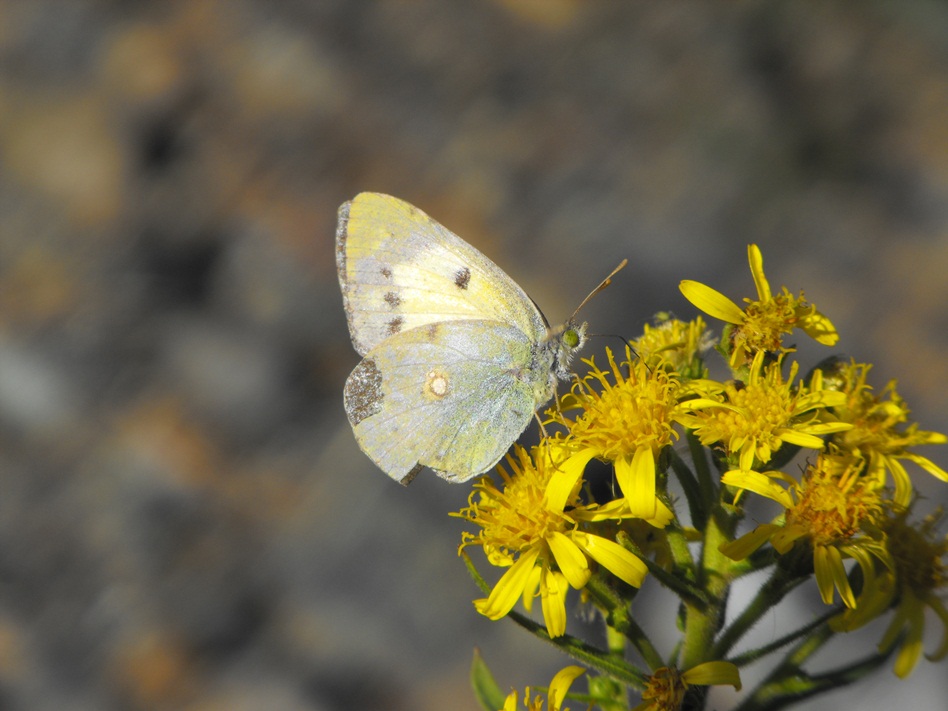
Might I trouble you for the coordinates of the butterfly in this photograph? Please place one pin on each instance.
(456, 357)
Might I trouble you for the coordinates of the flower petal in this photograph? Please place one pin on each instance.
(819, 328)
(559, 687)
(564, 479)
(939, 608)
(783, 540)
(760, 484)
(711, 301)
(509, 588)
(510, 703)
(570, 559)
(637, 481)
(928, 465)
(901, 479)
(742, 547)
(911, 649)
(756, 260)
(831, 575)
(717, 673)
(530, 589)
(624, 564)
(553, 588)
(801, 439)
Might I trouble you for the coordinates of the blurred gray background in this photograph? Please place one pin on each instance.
(185, 519)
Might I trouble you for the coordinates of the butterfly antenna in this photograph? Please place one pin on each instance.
(539, 420)
(602, 285)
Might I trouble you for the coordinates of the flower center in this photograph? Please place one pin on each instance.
(624, 416)
(833, 506)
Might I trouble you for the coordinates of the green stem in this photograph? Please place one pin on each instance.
(789, 683)
(619, 620)
(771, 593)
(615, 642)
(706, 480)
(680, 552)
(753, 655)
(697, 505)
(591, 656)
(681, 585)
(702, 621)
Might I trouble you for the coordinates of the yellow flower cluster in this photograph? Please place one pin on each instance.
(840, 508)
(555, 522)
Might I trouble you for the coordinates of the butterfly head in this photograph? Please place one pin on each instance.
(572, 336)
(568, 341)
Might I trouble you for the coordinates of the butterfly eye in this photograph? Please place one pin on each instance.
(571, 338)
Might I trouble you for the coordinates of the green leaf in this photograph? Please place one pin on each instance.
(486, 691)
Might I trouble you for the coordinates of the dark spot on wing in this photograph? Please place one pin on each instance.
(386, 272)
(395, 325)
(432, 331)
(392, 299)
(462, 277)
(406, 480)
(363, 393)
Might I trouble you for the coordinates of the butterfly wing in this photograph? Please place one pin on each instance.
(452, 396)
(399, 270)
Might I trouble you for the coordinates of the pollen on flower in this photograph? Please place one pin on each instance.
(675, 344)
(766, 322)
(760, 327)
(756, 418)
(835, 503)
(761, 409)
(879, 431)
(665, 690)
(875, 419)
(625, 412)
(515, 518)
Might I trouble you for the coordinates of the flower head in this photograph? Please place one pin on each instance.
(754, 419)
(555, 695)
(542, 546)
(675, 345)
(667, 685)
(833, 509)
(917, 580)
(625, 419)
(879, 432)
(760, 327)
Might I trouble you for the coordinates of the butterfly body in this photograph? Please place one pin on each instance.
(456, 357)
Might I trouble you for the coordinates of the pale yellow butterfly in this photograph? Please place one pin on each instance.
(457, 358)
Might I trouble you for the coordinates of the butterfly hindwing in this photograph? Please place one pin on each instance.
(399, 270)
(451, 396)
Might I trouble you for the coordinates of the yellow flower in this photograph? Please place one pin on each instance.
(626, 420)
(677, 345)
(555, 695)
(760, 327)
(917, 581)
(835, 510)
(755, 419)
(667, 685)
(878, 431)
(542, 546)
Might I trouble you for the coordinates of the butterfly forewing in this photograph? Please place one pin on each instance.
(400, 270)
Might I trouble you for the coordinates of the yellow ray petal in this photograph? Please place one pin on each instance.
(711, 301)
(509, 588)
(570, 559)
(614, 558)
